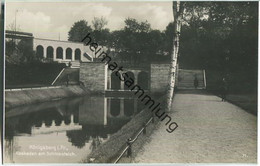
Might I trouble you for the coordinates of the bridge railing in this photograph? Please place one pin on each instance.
(130, 141)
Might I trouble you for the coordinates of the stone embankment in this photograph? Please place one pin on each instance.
(19, 97)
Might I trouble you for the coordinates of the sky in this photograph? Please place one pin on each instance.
(53, 20)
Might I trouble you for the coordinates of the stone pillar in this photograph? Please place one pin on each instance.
(108, 82)
(94, 76)
(54, 54)
(122, 108)
(105, 111)
(44, 52)
(122, 85)
(159, 77)
(136, 77)
(73, 55)
(63, 53)
(108, 108)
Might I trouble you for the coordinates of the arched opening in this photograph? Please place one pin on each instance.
(59, 53)
(115, 81)
(77, 54)
(115, 107)
(68, 53)
(130, 75)
(39, 51)
(48, 122)
(129, 107)
(67, 119)
(38, 124)
(50, 52)
(58, 122)
(143, 80)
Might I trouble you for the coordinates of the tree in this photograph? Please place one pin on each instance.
(99, 23)
(178, 8)
(221, 37)
(100, 34)
(134, 43)
(79, 30)
(134, 26)
(25, 51)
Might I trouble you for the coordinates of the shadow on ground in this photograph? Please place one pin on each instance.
(247, 102)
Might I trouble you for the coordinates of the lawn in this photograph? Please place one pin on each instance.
(245, 101)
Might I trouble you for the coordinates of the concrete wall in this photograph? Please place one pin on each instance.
(94, 76)
(159, 77)
(134, 71)
(28, 96)
(97, 78)
(64, 45)
(93, 111)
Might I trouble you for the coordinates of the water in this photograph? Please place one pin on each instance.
(64, 131)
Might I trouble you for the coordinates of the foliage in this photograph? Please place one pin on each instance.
(221, 36)
(216, 36)
(99, 23)
(18, 52)
(137, 42)
(32, 74)
(100, 34)
(79, 30)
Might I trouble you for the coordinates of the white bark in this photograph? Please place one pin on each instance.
(177, 15)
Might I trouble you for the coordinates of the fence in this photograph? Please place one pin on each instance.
(130, 141)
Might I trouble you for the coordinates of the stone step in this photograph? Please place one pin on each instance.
(186, 78)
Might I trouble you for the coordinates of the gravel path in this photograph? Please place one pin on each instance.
(210, 131)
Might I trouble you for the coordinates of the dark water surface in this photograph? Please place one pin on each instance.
(64, 131)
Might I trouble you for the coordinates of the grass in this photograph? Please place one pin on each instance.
(246, 101)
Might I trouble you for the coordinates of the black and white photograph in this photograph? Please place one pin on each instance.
(129, 82)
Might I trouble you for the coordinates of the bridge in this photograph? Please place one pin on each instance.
(56, 50)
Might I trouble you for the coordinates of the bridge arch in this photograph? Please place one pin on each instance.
(143, 80)
(67, 120)
(59, 53)
(115, 107)
(50, 52)
(129, 107)
(130, 75)
(39, 51)
(115, 81)
(68, 53)
(77, 54)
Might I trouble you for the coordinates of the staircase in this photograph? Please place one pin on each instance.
(75, 64)
(186, 79)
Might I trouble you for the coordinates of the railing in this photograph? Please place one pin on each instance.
(57, 76)
(129, 142)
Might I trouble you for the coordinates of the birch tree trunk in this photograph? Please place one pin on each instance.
(178, 8)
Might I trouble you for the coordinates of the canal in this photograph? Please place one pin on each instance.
(66, 130)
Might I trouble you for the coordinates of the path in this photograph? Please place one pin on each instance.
(209, 131)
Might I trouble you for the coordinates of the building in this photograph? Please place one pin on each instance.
(56, 50)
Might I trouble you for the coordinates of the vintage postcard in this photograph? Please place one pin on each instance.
(130, 82)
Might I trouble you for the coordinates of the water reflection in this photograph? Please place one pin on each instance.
(80, 124)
